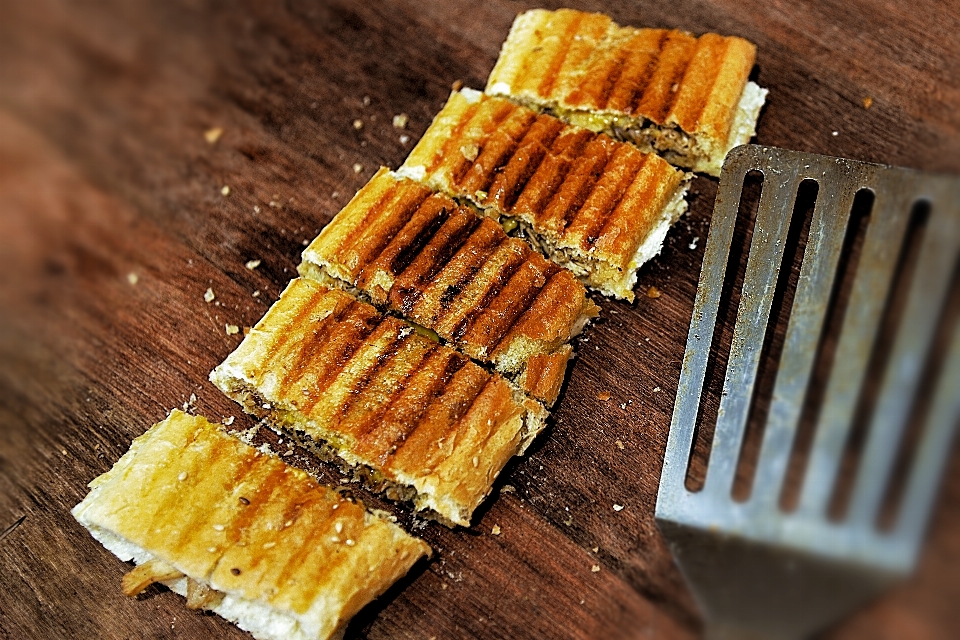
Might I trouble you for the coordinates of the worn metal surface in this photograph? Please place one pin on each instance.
(750, 564)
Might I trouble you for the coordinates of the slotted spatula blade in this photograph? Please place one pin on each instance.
(756, 570)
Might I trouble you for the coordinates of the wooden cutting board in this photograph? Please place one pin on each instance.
(118, 214)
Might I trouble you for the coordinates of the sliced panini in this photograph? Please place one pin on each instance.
(242, 534)
(595, 206)
(443, 266)
(687, 98)
(415, 418)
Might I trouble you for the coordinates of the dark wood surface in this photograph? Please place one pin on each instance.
(105, 172)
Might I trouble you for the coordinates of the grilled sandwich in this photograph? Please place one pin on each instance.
(240, 533)
(687, 98)
(595, 206)
(414, 418)
(456, 273)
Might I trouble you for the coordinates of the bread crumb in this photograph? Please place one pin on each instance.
(213, 134)
(133, 278)
(252, 264)
(357, 167)
(256, 208)
(457, 85)
(400, 120)
(595, 568)
(256, 294)
(209, 295)
(620, 445)
(508, 488)
(618, 507)
(225, 190)
(496, 530)
(693, 243)
(228, 421)
(404, 138)
(603, 396)
(656, 389)
(366, 101)
(470, 152)
(653, 292)
(835, 134)
(232, 329)
(867, 102)
(247, 330)
(358, 124)
(596, 549)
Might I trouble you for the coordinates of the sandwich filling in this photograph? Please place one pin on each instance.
(687, 98)
(598, 207)
(240, 533)
(412, 417)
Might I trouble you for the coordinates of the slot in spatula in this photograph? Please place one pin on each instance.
(757, 570)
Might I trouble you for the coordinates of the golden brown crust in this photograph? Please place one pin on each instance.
(544, 374)
(442, 266)
(382, 395)
(582, 61)
(581, 195)
(246, 525)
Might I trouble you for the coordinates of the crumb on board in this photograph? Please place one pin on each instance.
(358, 124)
(213, 134)
(656, 389)
(603, 396)
(133, 278)
(508, 488)
(228, 421)
(225, 190)
(867, 102)
(595, 568)
(400, 120)
(620, 445)
(252, 264)
(209, 295)
(366, 101)
(357, 167)
(404, 138)
(596, 549)
(653, 292)
(232, 329)
(496, 530)
(618, 507)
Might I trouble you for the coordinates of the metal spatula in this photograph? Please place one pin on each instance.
(756, 570)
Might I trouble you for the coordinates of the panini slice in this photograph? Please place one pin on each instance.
(684, 97)
(598, 207)
(239, 532)
(446, 268)
(413, 417)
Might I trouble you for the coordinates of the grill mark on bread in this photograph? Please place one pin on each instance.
(447, 285)
(442, 246)
(410, 250)
(511, 179)
(622, 169)
(502, 277)
(638, 67)
(499, 146)
(493, 324)
(383, 221)
(333, 349)
(562, 49)
(699, 79)
(552, 171)
(366, 423)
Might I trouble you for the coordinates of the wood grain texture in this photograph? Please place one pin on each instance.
(105, 172)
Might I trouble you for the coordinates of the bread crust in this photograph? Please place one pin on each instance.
(420, 419)
(667, 90)
(289, 557)
(585, 200)
(443, 266)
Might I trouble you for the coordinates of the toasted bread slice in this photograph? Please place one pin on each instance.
(687, 98)
(458, 274)
(416, 418)
(241, 533)
(598, 207)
